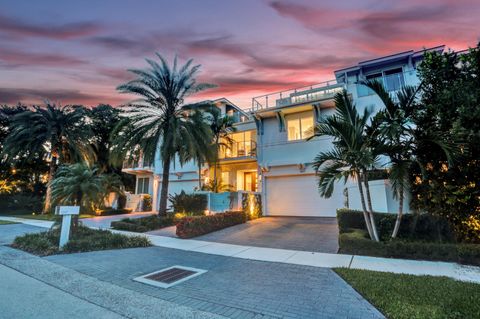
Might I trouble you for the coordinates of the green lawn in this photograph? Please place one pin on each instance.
(400, 296)
(4, 222)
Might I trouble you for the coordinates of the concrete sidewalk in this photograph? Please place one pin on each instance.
(404, 266)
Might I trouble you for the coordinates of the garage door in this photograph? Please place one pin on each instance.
(298, 196)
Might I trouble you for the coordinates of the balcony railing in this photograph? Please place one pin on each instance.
(239, 149)
(304, 94)
(391, 82)
(136, 163)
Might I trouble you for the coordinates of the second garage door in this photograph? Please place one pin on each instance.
(298, 196)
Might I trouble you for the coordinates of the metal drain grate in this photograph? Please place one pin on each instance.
(169, 276)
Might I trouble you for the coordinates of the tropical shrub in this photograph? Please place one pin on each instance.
(20, 203)
(81, 239)
(146, 203)
(195, 204)
(144, 224)
(423, 227)
(252, 205)
(189, 227)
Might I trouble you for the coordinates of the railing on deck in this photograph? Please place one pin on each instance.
(391, 82)
(239, 149)
(136, 163)
(298, 95)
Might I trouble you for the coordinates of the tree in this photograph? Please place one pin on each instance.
(160, 119)
(221, 127)
(81, 185)
(58, 132)
(351, 156)
(450, 98)
(397, 137)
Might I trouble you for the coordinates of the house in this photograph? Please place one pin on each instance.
(270, 153)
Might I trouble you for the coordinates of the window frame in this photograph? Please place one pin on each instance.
(297, 117)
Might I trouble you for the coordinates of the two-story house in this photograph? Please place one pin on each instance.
(270, 153)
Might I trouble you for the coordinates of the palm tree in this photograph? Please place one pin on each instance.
(221, 127)
(59, 133)
(160, 120)
(351, 155)
(397, 137)
(79, 185)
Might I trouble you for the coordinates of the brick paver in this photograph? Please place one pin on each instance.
(232, 287)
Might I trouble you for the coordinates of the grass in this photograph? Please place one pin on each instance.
(81, 240)
(400, 296)
(4, 222)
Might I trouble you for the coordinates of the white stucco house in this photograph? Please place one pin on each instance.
(270, 154)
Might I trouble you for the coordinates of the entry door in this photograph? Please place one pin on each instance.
(250, 181)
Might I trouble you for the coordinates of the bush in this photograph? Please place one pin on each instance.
(82, 239)
(112, 211)
(252, 205)
(189, 203)
(356, 242)
(146, 203)
(189, 227)
(122, 201)
(144, 224)
(21, 203)
(423, 227)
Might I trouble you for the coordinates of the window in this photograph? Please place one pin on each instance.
(143, 185)
(226, 178)
(299, 126)
(394, 79)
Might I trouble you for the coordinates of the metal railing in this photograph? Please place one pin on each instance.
(136, 163)
(309, 93)
(391, 82)
(239, 149)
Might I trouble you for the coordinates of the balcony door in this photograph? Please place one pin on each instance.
(250, 181)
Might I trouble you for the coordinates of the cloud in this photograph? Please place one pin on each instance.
(16, 58)
(63, 96)
(15, 27)
(390, 27)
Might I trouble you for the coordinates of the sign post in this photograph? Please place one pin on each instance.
(66, 212)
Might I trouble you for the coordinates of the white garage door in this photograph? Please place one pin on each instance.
(298, 196)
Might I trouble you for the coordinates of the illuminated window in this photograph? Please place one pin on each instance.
(299, 126)
(225, 178)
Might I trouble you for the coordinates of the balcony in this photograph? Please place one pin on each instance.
(391, 82)
(316, 92)
(238, 150)
(137, 165)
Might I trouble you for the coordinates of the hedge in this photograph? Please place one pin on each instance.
(143, 224)
(194, 204)
(356, 242)
(423, 227)
(189, 227)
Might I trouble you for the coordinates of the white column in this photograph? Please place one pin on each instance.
(156, 191)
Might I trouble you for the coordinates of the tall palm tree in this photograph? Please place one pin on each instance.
(160, 120)
(57, 132)
(397, 137)
(221, 127)
(351, 155)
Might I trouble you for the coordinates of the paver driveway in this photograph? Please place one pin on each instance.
(231, 287)
(319, 234)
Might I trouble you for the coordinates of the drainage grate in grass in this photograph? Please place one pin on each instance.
(169, 277)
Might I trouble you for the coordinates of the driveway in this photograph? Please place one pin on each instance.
(318, 234)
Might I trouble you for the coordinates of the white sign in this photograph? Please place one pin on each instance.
(67, 210)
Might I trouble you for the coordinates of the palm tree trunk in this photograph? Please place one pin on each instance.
(370, 209)
(199, 175)
(400, 214)
(364, 207)
(217, 149)
(162, 211)
(47, 206)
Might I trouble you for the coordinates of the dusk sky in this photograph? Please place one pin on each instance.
(79, 51)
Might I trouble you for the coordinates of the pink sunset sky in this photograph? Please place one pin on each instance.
(79, 51)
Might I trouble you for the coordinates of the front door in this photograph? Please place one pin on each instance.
(250, 181)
